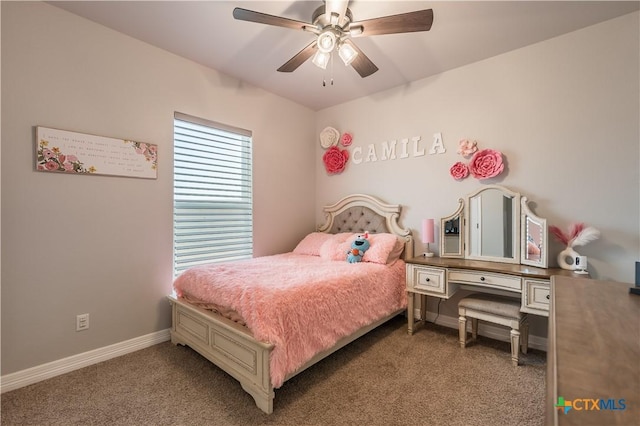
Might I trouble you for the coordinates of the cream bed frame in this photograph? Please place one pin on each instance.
(232, 347)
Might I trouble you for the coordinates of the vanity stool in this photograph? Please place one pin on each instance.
(498, 310)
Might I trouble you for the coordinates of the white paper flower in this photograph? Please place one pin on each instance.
(329, 137)
(467, 148)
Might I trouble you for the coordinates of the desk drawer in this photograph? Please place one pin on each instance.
(536, 295)
(425, 279)
(486, 279)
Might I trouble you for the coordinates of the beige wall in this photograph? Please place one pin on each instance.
(103, 245)
(564, 113)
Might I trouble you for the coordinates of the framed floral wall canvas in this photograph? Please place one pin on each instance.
(63, 151)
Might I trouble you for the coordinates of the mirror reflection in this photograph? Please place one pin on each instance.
(534, 240)
(534, 237)
(452, 235)
(492, 225)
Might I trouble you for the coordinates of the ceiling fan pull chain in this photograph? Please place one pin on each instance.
(331, 59)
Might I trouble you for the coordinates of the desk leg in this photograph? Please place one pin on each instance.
(410, 319)
(413, 325)
(423, 308)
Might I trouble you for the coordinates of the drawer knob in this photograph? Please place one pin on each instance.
(481, 278)
(548, 297)
(428, 279)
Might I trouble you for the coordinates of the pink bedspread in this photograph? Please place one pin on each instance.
(301, 304)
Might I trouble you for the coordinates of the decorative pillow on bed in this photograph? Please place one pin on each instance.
(336, 248)
(311, 244)
(397, 251)
(385, 248)
(382, 246)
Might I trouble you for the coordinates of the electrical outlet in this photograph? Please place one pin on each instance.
(82, 322)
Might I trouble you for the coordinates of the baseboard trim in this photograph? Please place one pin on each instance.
(42, 372)
(484, 329)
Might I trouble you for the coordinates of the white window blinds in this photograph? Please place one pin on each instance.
(212, 196)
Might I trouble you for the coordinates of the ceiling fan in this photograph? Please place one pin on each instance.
(334, 27)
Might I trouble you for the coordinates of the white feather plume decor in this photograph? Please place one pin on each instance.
(587, 235)
(578, 234)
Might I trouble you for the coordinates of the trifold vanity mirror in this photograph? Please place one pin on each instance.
(495, 224)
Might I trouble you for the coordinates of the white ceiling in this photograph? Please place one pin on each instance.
(463, 32)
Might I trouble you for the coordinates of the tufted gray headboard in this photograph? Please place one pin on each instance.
(359, 219)
(360, 213)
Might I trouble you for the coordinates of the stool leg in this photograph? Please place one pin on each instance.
(515, 346)
(462, 330)
(474, 328)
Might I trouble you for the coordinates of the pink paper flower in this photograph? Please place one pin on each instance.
(486, 164)
(335, 160)
(467, 147)
(459, 171)
(346, 139)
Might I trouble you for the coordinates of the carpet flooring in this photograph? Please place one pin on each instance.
(384, 378)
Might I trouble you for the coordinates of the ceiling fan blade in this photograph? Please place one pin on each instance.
(263, 18)
(299, 58)
(362, 64)
(420, 20)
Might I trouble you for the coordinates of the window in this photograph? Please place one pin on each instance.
(212, 193)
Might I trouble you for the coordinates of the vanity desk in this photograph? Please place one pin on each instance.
(443, 277)
(492, 243)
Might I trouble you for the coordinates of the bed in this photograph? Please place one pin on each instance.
(258, 357)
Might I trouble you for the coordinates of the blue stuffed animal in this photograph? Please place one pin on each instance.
(358, 247)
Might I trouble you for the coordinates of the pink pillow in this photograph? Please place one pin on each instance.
(337, 247)
(311, 244)
(397, 251)
(382, 245)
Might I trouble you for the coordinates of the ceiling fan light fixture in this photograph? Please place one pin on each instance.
(347, 53)
(326, 41)
(321, 59)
